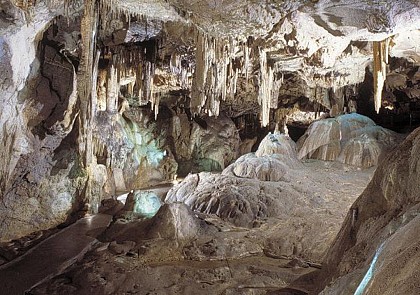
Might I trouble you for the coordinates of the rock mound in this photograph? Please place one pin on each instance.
(298, 216)
(351, 139)
(262, 168)
(275, 155)
(231, 198)
(277, 143)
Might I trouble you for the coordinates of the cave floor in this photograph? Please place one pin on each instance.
(238, 260)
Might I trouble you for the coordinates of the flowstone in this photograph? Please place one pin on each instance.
(351, 139)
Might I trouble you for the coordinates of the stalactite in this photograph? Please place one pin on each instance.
(155, 103)
(85, 78)
(101, 90)
(149, 72)
(175, 63)
(198, 92)
(215, 75)
(247, 58)
(380, 60)
(180, 67)
(113, 87)
(94, 91)
(133, 66)
(265, 87)
(275, 89)
(184, 78)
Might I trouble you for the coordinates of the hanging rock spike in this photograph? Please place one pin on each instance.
(380, 60)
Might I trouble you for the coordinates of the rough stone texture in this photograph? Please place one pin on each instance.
(351, 139)
(262, 168)
(277, 143)
(41, 178)
(134, 150)
(175, 222)
(188, 252)
(210, 144)
(387, 213)
(297, 216)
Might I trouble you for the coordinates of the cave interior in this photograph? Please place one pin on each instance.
(210, 147)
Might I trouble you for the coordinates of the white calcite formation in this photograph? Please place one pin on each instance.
(276, 154)
(351, 139)
(297, 215)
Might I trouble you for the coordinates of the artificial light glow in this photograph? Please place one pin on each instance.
(368, 276)
(147, 203)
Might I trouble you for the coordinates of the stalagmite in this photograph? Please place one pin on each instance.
(380, 60)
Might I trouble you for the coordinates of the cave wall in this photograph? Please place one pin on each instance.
(38, 186)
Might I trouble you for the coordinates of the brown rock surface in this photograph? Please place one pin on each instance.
(387, 213)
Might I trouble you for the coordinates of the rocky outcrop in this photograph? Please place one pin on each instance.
(41, 180)
(376, 250)
(351, 139)
(175, 222)
(134, 150)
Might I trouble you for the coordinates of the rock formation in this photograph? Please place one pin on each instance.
(275, 155)
(256, 58)
(262, 186)
(351, 139)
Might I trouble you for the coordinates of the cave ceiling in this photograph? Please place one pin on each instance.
(325, 44)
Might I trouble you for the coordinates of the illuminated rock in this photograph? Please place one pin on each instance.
(146, 203)
(379, 237)
(275, 155)
(351, 139)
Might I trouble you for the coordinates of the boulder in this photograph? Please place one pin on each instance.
(175, 222)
